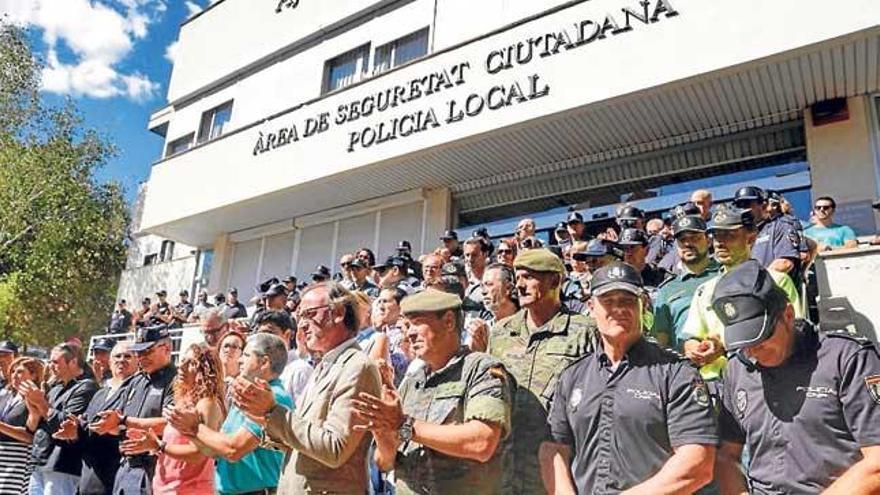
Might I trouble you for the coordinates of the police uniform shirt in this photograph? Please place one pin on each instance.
(232, 311)
(148, 395)
(777, 238)
(653, 276)
(622, 424)
(184, 308)
(805, 421)
(472, 385)
(120, 321)
(658, 248)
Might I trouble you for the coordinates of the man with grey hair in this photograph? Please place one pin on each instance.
(213, 324)
(326, 453)
(702, 198)
(242, 464)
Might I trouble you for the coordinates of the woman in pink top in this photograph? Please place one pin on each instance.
(181, 468)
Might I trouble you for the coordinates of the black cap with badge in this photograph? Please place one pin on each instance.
(747, 301)
(688, 224)
(574, 217)
(449, 235)
(731, 219)
(321, 273)
(616, 276)
(391, 262)
(147, 337)
(278, 289)
(633, 237)
(8, 346)
(103, 344)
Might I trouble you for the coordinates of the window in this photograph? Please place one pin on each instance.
(167, 252)
(346, 69)
(151, 259)
(214, 122)
(179, 145)
(401, 51)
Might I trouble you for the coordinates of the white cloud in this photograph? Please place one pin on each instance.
(193, 8)
(171, 52)
(98, 34)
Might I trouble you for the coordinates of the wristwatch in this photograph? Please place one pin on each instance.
(405, 431)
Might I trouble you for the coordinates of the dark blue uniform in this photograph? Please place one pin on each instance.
(622, 424)
(779, 238)
(147, 396)
(804, 421)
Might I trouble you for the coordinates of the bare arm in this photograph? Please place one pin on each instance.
(850, 243)
(862, 478)
(155, 424)
(689, 468)
(475, 440)
(19, 433)
(728, 470)
(386, 449)
(380, 349)
(555, 459)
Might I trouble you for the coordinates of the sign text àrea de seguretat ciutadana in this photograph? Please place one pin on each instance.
(452, 111)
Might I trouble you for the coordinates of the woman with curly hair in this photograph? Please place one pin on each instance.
(15, 436)
(181, 468)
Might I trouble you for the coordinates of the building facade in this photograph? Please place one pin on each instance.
(299, 130)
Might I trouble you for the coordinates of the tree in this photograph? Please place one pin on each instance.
(62, 233)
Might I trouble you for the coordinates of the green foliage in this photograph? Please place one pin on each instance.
(62, 234)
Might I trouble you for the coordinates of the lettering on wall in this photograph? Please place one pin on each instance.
(286, 4)
(502, 94)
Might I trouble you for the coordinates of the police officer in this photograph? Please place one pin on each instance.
(182, 309)
(232, 308)
(779, 243)
(634, 243)
(450, 242)
(444, 432)
(535, 344)
(360, 280)
(161, 314)
(732, 233)
(563, 238)
(149, 392)
(577, 229)
(673, 298)
(321, 274)
(807, 406)
(101, 359)
(577, 282)
(631, 217)
(393, 274)
(120, 320)
(630, 414)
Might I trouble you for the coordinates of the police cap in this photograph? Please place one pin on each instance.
(630, 213)
(148, 336)
(453, 268)
(8, 346)
(574, 217)
(449, 235)
(731, 219)
(749, 193)
(277, 290)
(103, 344)
(685, 209)
(633, 237)
(616, 276)
(561, 227)
(539, 260)
(689, 223)
(747, 301)
(391, 262)
(321, 273)
(429, 301)
(162, 293)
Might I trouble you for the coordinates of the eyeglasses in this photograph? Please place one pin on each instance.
(345, 265)
(504, 251)
(823, 207)
(309, 314)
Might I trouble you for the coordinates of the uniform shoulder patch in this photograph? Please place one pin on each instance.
(873, 384)
(794, 238)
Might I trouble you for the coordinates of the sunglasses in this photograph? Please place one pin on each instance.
(504, 251)
(345, 265)
(823, 207)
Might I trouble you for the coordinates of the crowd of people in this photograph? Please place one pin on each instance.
(655, 355)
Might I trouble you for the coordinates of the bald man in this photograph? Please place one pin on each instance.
(703, 199)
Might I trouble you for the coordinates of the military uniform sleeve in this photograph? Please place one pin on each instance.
(489, 395)
(729, 428)
(663, 318)
(689, 413)
(557, 418)
(860, 395)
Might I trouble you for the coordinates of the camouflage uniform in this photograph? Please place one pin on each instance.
(472, 385)
(535, 360)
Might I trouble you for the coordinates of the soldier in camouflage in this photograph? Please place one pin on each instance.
(446, 431)
(536, 344)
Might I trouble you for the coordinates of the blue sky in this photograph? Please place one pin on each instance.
(113, 58)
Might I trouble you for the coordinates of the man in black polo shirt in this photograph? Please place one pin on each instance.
(807, 406)
(149, 392)
(631, 414)
(58, 463)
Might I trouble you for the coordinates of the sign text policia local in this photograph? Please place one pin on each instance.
(496, 62)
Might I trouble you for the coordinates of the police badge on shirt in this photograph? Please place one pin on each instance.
(873, 384)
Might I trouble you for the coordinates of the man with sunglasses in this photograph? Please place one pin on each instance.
(327, 455)
(807, 405)
(733, 232)
(825, 232)
(778, 244)
(634, 243)
(148, 393)
(673, 299)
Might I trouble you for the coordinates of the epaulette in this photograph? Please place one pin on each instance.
(851, 334)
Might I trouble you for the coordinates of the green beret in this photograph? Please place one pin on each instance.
(429, 301)
(539, 260)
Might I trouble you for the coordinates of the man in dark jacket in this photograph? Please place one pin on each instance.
(58, 463)
(100, 453)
